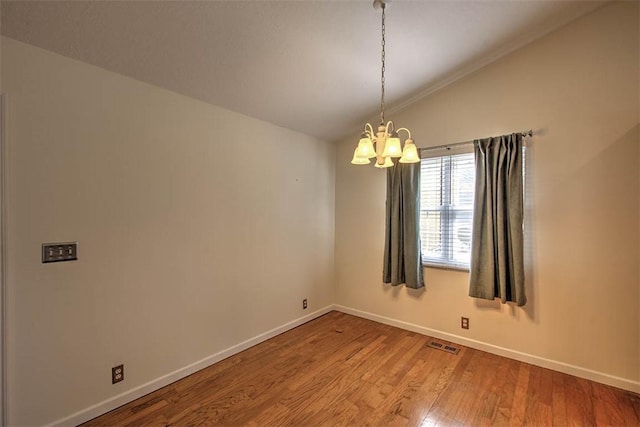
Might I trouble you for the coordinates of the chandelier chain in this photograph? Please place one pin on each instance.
(382, 74)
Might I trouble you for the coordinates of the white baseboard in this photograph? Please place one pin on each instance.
(566, 368)
(130, 395)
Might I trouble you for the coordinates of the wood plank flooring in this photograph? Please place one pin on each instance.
(341, 370)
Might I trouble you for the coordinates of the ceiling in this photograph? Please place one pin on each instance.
(310, 66)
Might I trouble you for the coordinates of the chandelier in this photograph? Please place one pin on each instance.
(386, 139)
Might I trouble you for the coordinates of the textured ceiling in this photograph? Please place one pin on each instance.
(311, 66)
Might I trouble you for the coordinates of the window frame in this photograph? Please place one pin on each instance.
(446, 209)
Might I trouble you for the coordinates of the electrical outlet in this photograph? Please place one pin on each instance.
(464, 322)
(117, 374)
(304, 304)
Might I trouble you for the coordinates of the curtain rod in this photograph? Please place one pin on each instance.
(457, 144)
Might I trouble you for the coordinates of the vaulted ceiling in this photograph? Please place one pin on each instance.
(310, 66)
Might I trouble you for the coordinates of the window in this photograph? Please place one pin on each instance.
(446, 209)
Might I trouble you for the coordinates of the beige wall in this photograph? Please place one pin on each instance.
(198, 228)
(186, 250)
(577, 88)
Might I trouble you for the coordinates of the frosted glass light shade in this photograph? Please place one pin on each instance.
(387, 163)
(392, 148)
(365, 147)
(357, 160)
(410, 152)
(384, 146)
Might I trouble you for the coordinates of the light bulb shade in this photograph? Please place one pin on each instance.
(365, 147)
(392, 147)
(358, 160)
(410, 152)
(386, 164)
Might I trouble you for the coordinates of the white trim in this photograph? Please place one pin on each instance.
(555, 365)
(130, 395)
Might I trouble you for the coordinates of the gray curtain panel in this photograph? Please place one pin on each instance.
(497, 254)
(402, 258)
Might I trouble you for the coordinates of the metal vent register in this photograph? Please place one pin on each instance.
(443, 346)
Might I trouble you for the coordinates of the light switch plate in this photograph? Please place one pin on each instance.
(56, 252)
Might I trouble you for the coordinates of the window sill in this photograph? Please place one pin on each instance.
(444, 267)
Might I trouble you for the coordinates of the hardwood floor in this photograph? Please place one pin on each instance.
(341, 370)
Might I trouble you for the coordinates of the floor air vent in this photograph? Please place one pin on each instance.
(443, 346)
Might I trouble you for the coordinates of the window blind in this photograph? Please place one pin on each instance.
(446, 210)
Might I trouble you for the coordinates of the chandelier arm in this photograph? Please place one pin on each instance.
(369, 129)
(405, 129)
(390, 127)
